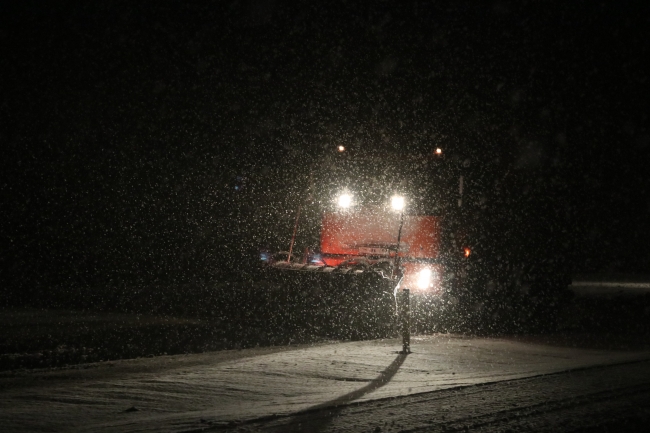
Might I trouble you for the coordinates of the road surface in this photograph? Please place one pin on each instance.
(448, 383)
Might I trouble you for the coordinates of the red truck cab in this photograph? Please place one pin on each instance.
(370, 234)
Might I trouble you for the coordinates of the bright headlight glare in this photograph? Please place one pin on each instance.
(424, 278)
(397, 202)
(345, 200)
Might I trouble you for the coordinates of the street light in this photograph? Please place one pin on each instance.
(341, 148)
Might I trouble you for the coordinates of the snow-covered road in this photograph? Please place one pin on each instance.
(179, 393)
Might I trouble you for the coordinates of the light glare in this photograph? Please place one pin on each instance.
(424, 278)
(397, 202)
(341, 148)
(345, 200)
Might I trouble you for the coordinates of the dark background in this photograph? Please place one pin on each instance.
(166, 141)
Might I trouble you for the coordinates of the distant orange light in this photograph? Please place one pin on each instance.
(341, 148)
(467, 252)
(438, 151)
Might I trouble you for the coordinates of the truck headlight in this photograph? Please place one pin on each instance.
(345, 201)
(424, 278)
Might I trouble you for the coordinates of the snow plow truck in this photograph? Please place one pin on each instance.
(381, 224)
(380, 231)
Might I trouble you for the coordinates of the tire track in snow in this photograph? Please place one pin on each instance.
(571, 400)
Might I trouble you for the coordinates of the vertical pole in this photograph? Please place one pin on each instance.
(399, 239)
(293, 238)
(405, 320)
(295, 226)
(404, 301)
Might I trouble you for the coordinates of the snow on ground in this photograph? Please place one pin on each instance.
(175, 393)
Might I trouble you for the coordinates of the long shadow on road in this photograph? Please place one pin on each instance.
(317, 418)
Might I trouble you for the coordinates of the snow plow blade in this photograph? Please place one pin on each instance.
(331, 302)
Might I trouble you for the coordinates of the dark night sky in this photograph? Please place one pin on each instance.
(125, 126)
